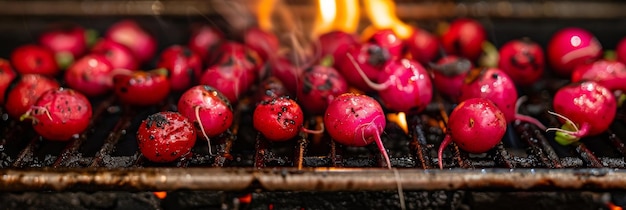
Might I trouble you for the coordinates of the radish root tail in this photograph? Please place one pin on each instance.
(208, 140)
(370, 83)
(446, 141)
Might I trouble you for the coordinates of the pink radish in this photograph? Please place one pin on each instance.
(570, 47)
(182, 64)
(403, 85)
(269, 89)
(356, 120)
(231, 80)
(286, 72)
(464, 38)
(610, 74)
(334, 43)
(370, 58)
(208, 109)
(423, 46)
(522, 60)
(90, 75)
(497, 86)
(263, 42)
(132, 35)
(117, 54)
(620, 50)
(586, 108)
(279, 119)
(319, 85)
(476, 125)
(449, 74)
(387, 39)
(204, 40)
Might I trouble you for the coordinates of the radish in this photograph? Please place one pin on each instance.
(609, 74)
(117, 54)
(34, 59)
(464, 38)
(142, 88)
(60, 114)
(27, 89)
(230, 79)
(204, 40)
(269, 89)
(130, 34)
(335, 44)
(286, 72)
(422, 46)
(68, 43)
(182, 64)
(208, 109)
(319, 85)
(387, 39)
(91, 75)
(370, 58)
(165, 136)
(620, 50)
(586, 108)
(264, 43)
(356, 120)
(6, 77)
(476, 125)
(497, 86)
(522, 60)
(570, 47)
(279, 119)
(449, 74)
(404, 85)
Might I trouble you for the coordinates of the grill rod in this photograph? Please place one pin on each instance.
(314, 179)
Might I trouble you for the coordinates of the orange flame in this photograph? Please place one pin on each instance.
(382, 13)
(336, 15)
(400, 119)
(265, 8)
(161, 194)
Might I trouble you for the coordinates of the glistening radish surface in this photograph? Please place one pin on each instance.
(34, 59)
(60, 114)
(449, 75)
(278, 119)
(165, 136)
(6, 77)
(142, 88)
(570, 47)
(609, 74)
(27, 90)
(117, 54)
(319, 85)
(476, 125)
(182, 64)
(523, 60)
(356, 120)
(585, 108)
(91, 75)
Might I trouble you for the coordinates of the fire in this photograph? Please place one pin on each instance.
(160, 194)
(265, 8)
(382, 13)
(336, 15)
(400, 119)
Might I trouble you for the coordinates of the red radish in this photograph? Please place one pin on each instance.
(117, 54)
(6, 77)
(356, 120)
(142, 88)
(230, 79)
(319, 85)
(165, 136)
(423, 46)
(68, 43)
(286, 72)
(269, 89)
(464, 38)
(208, 109)
(278, 119)
(497, 86)
(620, 50)
(334, 43)
(27, 90)
(522, 60)
(182, 64)
(609, 74)
(570, 47)
(34, 59)
(238, 54)
(90, 75)
(387, 39)
(60, 114)
(263, 42)
(130, 34)
(403, 86)
(449, 74)
(586, 108)
(204, 40)
(370, 58)
(476, 125)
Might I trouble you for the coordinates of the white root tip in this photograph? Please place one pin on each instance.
(566, 119)
(370, 83)
(197, 112)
